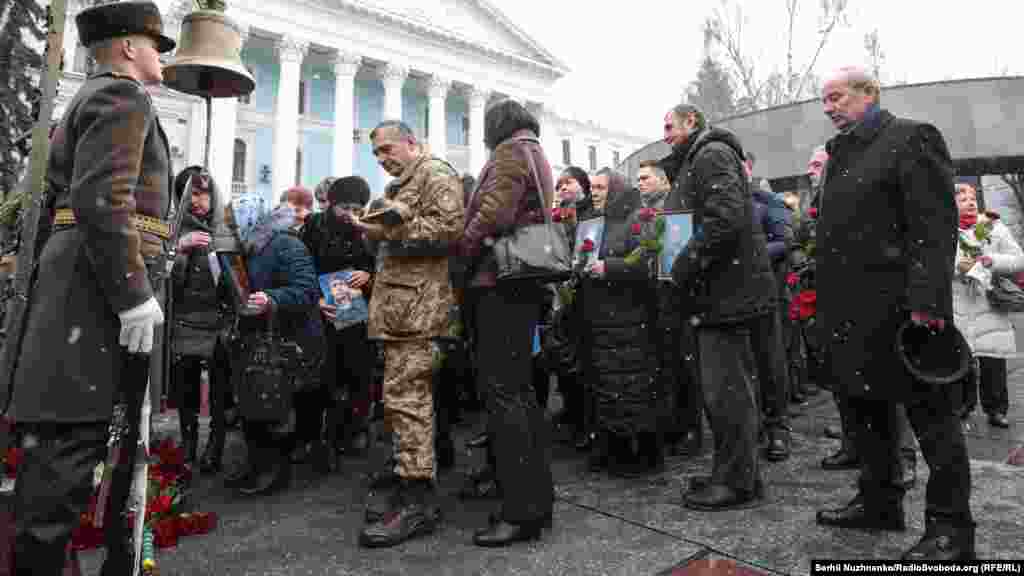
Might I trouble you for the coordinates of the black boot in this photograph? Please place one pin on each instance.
(600, 448)
(943, 541)
(188, 423)
(857, 515)
(412, 513)
(271, 475)
(213, 453)
(777, 447)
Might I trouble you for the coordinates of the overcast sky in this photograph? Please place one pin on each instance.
(630, 61)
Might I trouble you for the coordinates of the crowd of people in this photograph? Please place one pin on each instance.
(640, 359)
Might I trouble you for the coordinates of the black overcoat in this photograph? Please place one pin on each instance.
(886, 245)
(109, 160)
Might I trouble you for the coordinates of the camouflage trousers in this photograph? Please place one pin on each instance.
(409, 405)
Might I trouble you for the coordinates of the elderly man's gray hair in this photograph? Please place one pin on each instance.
(860, 80)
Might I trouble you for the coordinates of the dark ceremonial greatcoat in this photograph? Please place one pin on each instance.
(886, 244)
(109, 161)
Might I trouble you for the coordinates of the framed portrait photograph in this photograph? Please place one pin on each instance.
(591, 229)
(678, 230)
(230, 268)
(351, 306)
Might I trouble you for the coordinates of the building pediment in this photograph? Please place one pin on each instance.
(477, 23)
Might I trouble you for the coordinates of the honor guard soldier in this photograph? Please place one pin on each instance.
(93, 311)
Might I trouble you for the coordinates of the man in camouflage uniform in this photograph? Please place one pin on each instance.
(409, 308)
(95, 303)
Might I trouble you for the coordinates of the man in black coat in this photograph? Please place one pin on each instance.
(887, 220)
(95, 304)
(725, 273)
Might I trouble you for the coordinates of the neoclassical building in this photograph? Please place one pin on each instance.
(328, 71)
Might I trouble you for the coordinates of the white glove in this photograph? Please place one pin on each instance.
(138, 324)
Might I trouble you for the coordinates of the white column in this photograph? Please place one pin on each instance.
(196, 133)
(222, 144)
(393, 76)
(71, 34)
(438, 116)
(477, 150)
(286, 113)
(345, 67)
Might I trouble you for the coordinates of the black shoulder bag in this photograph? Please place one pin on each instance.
(266, 382)
(538, 252)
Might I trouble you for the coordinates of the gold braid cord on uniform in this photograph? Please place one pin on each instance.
(148, 224)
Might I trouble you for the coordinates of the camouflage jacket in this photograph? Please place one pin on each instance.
(412, 295)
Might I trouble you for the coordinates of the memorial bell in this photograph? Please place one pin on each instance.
(209, 58)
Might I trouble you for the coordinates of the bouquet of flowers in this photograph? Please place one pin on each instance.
(801, 281)
(168, 478)
(650, 232)
(982, 232)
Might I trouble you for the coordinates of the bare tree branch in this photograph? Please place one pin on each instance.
(725, 27)
(834, 12)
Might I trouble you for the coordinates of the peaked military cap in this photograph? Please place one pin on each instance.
(123, 19)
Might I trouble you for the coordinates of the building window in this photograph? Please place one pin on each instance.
(298, 167)
(566, 152)
(615, 158)
(238, 172)
(593, 158)
(465, 131)
(302, 97)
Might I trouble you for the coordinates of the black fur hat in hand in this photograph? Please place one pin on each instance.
(933, 356)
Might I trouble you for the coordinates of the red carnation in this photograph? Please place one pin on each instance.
(807, 303)
(569, 213)
(813, 212)
(588, 245)
(636, 228)
(556, 215)
(792, 279)
(648, 214)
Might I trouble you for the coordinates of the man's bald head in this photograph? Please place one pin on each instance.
(848, 94)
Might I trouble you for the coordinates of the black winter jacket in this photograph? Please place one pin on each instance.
(725, 266)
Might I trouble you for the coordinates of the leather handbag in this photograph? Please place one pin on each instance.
(1006, 296)
(537, 252)
(266, 382)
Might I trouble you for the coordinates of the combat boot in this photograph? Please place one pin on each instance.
(414, 514)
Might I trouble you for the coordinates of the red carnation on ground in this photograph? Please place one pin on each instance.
(807, 303)
(588, 245)
(11, 461)
(813, 212)
(792, 279)
(636, 228)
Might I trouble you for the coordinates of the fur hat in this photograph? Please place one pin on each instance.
(349, 190)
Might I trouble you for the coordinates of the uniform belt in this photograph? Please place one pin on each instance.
(155, 226)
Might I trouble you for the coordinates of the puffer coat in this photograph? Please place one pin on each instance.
(988, 332)
(619, 311)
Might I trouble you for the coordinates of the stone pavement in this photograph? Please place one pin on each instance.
(602, 525)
